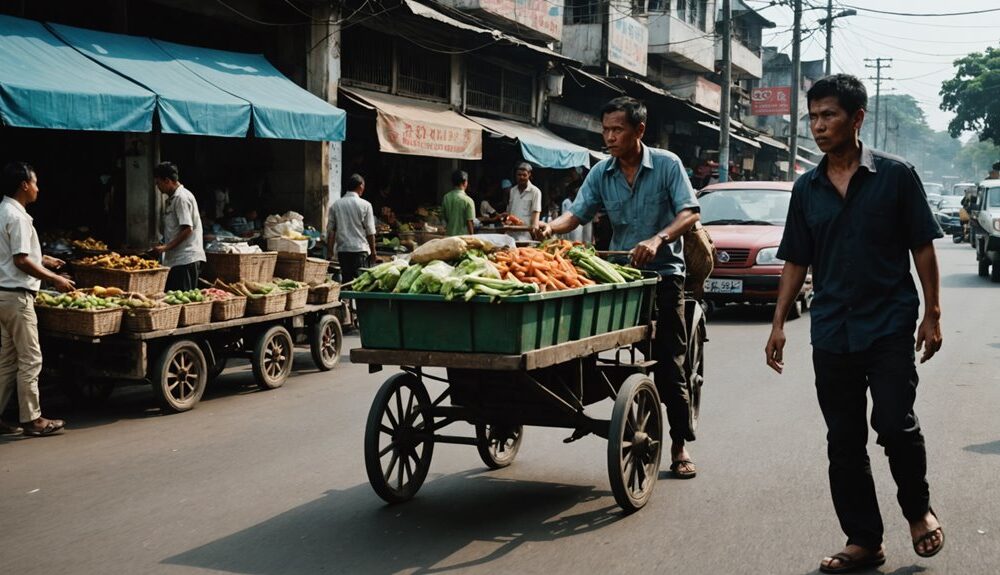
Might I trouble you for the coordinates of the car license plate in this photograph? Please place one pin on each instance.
(714, 285)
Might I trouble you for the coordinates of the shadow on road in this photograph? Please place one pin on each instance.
(352, 531)
(908, 570)
(969, 280)
(990, 448)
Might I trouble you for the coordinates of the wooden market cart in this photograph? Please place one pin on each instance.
(533, 359)
(178, 363)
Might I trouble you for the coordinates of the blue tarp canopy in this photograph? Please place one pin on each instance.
(538, 145)
(46, 84)
(280, 108)
(187, 104)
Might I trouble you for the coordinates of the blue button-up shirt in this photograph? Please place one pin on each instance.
(859, 249)
(660, 190)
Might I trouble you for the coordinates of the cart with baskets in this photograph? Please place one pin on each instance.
(178, 363)
(530, 360)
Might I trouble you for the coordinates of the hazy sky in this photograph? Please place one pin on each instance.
(922, 49)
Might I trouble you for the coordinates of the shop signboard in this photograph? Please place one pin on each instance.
(771, 101)
(399, 135)
(628, 43)
(570, 118)
(545, 16)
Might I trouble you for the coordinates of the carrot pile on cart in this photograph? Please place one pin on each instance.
(467, 267)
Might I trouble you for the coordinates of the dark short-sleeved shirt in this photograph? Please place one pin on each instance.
(659, 191)
(859, 249)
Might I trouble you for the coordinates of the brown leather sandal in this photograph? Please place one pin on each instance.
(928, 537)
(675, 468)
(51, 426)
(848, 564)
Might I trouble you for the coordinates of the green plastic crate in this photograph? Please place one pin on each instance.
(514, 325)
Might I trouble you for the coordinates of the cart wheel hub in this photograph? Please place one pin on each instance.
(642, 443)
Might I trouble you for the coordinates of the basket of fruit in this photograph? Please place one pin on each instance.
(90, 246)
(240, 267)
(262, 298)
(309, 270)
(298, 293)
(144, 314)
(324, 293)
(79, 312)
(195, 308)
(129, 273)
(225, 305)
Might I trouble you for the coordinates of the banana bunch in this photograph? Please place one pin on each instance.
(248, 288)
(101, 291)
(77, 300)
(288, 285)
(116, 261)
(90, 244)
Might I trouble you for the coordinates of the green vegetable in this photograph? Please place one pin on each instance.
(408, 278)
(596, 268)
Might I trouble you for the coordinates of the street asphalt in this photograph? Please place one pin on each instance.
(269, 483)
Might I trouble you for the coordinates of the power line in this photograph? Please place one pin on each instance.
(855, 32)
(919, 14)
(922, 40)
(878, 86)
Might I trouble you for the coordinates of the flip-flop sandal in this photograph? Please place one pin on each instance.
(50, 428)
(927, 537)
(848, 564)
(675, 468)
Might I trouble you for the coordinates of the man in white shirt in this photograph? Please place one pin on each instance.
(184, 250)
(22, 267)
(525, 201)
(351, 229)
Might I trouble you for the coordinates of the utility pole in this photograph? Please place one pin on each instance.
(727, 82)
(879, 64)
(828, 22)
(793, 131)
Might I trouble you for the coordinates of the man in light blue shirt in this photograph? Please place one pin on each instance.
(649, 200)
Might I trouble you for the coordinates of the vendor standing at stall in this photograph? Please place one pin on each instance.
(184, 250)
(457, 207)
(351, 229)
(22, 267)
(525, 201)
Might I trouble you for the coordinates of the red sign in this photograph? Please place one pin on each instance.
(772, 101)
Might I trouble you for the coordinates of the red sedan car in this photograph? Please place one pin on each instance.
(746, 221)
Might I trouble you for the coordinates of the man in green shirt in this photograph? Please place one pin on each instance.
(457, 207)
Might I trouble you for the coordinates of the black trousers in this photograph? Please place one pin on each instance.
(350, 263)
(183, 277)
(887, 370)
(669, 349)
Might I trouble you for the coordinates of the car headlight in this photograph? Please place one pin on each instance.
(769, 257)
(996, 224)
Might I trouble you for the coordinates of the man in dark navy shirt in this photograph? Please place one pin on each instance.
(856, 219)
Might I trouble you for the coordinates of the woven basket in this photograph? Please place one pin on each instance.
(271, 303)
(241, 267)
(325, 293)
(232, 308)
(196, 313)
(142, 319)
(308, 270)
(80, 322)
(146, 282)
(297, 298)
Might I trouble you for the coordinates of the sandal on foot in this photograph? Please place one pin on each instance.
(10, 428)
(926, 537)
(51, 426)
(848, 564)
(675, 468)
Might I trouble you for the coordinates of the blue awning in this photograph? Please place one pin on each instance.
(538, 145)
(46, 84)
(187, 104)
(280, 108)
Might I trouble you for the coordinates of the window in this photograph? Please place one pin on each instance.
(366, 59)
(492, 88)
(703, 15)
(368, 62)
(583, 11)
(659, 5)
(421, 72)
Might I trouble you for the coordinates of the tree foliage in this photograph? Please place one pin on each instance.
(972, 95)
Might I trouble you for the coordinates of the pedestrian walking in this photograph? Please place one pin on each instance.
(856, 218)
(184, 247)
(351, 229)
(524, 201)
(457, 207)
(650, 203)
(22, 267)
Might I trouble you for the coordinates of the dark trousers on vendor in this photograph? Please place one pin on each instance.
(350, 264)
(888, 371)
(184, 277)
(669, 349)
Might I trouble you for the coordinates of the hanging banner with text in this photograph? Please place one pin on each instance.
(628, 43)
(399, 135)
(772, 101)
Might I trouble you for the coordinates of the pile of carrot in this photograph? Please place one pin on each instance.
(548, 268)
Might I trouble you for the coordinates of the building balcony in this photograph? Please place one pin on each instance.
(624, 45)
(684, 45)
(529, 19)
(746, 62)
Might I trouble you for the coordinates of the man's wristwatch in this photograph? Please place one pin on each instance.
(664, 237)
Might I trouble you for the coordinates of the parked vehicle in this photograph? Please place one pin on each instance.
(746, 221)
(933, 200)
(930, 188)
(948, 214)
(987, 241)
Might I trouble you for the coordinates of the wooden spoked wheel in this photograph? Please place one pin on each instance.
(635, 442)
